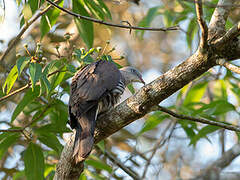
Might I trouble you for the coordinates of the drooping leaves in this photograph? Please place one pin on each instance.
(21, 64)
(34, 162)
(49, 19)
(28, 98)
(11, 78)
(6, 140)
(85, 28)
(35, 71)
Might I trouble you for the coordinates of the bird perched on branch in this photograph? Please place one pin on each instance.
(95, 88)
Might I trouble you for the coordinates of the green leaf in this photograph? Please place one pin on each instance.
(47, 83)
(195, 94)
(6, 141)
(35, 4)
(98, 164)
(153, 121)
(54, 128)
(83, 177)
(19, 175)
(236, 90)
(12, 77)
(220, 89)
(58, 78)
(188, 128)
(31, 107)
(71, 68)
(42, 87)
(95, 9)
(50, 140)
(203, 133)
(191, 31)
(28, 98)
(87, 59)
(27, 12)
(218, 107)
(35, 71)
(49, 171)
(21, 63)
(168, 17)
(131, 88)
(146, 21)
(104, 8)
(1, 93)
(49, 19)
(85, 28)
(109, 58)
(101, 145)
(34, 162)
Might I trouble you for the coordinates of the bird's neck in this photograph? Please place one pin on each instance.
(126, 77)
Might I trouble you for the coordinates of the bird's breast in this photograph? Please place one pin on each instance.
(111, 98)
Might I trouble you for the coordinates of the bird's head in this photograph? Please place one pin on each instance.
(131, 74)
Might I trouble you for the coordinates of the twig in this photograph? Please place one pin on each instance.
(28, 124)
(24, 28)
(214, 169)
(11, 130)
(119, 163)
(229, 66)
(15, 92)
(201, 120)
(212, 5)
(158, 144)
(202, 24)
(112, 24)
(231, 34)
(37, 118)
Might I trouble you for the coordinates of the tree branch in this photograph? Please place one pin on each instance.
(202, 24)
(230, 35)
(127, 170)
(15, 92)
(161, 141)
(219, 18)
(213, 171)
(201, 120)
(11, 130)
(111, 24)
(229, 66)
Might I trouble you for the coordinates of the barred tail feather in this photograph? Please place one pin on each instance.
(84, 138)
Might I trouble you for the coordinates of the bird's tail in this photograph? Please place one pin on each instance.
(84, 138)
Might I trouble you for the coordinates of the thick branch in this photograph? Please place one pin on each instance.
(219, 18)
(213, 171)
(111, 24)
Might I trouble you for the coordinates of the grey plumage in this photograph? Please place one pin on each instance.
(95, 88)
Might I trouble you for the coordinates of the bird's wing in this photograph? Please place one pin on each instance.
(90, 84)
